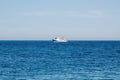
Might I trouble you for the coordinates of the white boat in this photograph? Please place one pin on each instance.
(57, 39)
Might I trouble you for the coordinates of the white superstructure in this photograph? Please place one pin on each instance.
(57, 39)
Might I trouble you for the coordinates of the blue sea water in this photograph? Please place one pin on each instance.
(47, 60)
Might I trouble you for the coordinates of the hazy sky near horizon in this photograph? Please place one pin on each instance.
(73, 19)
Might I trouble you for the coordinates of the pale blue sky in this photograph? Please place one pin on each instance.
(73, 19)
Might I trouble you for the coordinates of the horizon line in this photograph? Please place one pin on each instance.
(68, 40)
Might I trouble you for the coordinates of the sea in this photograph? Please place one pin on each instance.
(47, 60)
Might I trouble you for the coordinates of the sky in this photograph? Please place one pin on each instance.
(72, 19)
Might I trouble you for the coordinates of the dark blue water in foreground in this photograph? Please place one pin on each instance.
(46, 60)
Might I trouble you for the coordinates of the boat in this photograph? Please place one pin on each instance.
(58, 39)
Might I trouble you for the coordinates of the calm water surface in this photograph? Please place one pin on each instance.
(46, 60)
